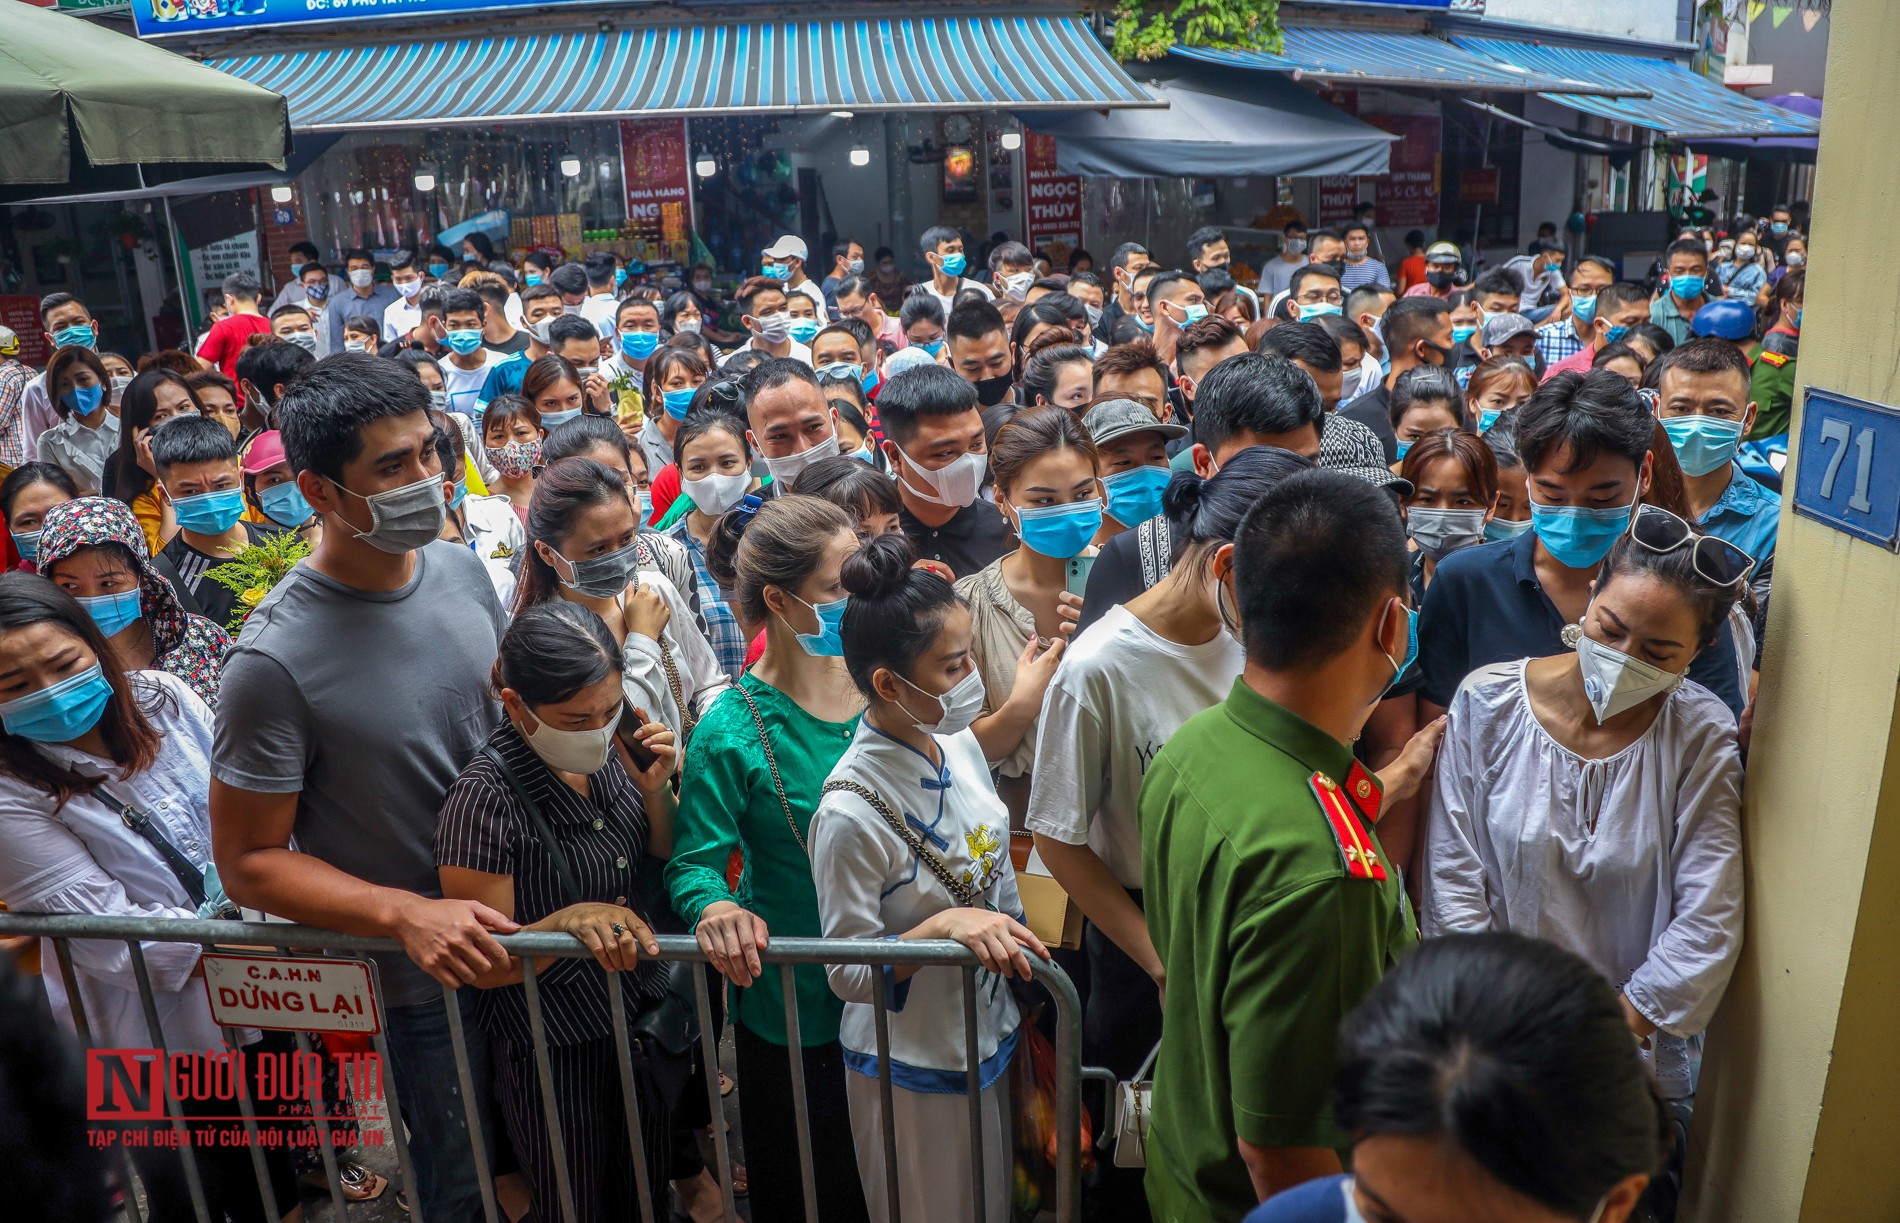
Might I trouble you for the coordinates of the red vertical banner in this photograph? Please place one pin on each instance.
(21, 313)
(1409, 195)
(653, 162)
(1338, 198)
(1054, 200)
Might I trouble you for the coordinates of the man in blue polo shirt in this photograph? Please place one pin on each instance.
(1584, 440)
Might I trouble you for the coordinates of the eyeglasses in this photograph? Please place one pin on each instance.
(1314, 297)
(1715, 560)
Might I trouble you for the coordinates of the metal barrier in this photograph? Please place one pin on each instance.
(281, 938)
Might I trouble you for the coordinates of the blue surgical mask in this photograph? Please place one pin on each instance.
(1192, 314)
(465, 340)
(83, 400)
(620, 277)
(1143, 324)
(1411, 649)
(1777, 228)
(1687, 288)
(804, 330)
(113, 613)
(1703, 443)
(934, 348)
(777, 271)
(638, 345)
(867, 381)
(953, 265)
(438, 270)
(865, 452)
(553, 420)
(1797, 318)
(531, 279)
(1060, 531)
(62, 712)
(1499, 529)
(828, 641)
(1404, 448)
(461, 495)
(28, 543)
(79, 335)
(1577, 536)
(1460, 334)
(1615, 333)
(1134, 496)
(1312, 310)
(677, 402)
(1585, 308)
(841, 370)
(284, 504)
(295, 270)
(211, 513)
(1488, 417)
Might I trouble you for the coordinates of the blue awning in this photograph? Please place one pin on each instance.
(1046, 62)
(1379, 57)
(1683, 105)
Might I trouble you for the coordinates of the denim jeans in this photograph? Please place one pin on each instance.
(429, 1092)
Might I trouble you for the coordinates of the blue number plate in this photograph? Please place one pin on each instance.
(1847, 467)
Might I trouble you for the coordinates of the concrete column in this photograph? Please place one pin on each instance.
(1800, 1097)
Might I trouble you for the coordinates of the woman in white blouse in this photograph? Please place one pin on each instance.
(105, 782)
(88, 428)
(911, 842)
(1593, 799)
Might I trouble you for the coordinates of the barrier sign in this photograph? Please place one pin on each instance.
(316, 995)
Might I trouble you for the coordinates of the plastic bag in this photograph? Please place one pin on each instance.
(1033, 1089)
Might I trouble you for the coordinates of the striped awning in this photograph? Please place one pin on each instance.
(1683, 104)
(1380, 57)
(934, 63)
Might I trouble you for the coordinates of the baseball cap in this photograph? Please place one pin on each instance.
(1116, 418)
(1501, 327)
(266, 452)
(789, 246)
(1444, 252)
(1378, 477)
(9, 343)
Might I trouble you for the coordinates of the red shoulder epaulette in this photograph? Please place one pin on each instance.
(1355, 843)
(1775, 359)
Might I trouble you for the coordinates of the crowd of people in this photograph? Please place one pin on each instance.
(1271, 628)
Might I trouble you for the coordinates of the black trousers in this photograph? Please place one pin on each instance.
(229, 1181)
(1120, 1025)
(767, 1122)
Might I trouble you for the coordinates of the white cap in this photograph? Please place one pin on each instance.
(9, 343)
(789, 246)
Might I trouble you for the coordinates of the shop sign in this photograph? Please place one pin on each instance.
(163, 18)
(653, 163)
(1478, 185)
(1054, 199)
(1408, 195)
(1338, 198)
(92, 6)
(211, 263)
(21, 313)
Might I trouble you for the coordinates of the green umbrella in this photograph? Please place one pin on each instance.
(83, 108)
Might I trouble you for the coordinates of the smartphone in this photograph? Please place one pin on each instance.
(1078, 573)
(631, 721)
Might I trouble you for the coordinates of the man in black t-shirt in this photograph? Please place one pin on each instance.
(933, 439)
(197, 463)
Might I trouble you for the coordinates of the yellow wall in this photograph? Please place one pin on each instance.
(1799, 1109)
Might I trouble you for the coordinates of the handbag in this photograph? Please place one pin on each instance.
(1134, 1109)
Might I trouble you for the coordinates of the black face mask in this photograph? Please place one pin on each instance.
(1438, 280)
(1444, 354)
(992, 391)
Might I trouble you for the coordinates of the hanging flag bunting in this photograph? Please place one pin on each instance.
(1755, 9)
(1809, 19)
(1782, 14)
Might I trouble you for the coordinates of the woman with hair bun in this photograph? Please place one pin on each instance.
(938, 870)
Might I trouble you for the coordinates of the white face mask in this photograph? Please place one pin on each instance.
(575, 751)
(363, 278)
(955, 484)
(773, 328)
(960, 705)
(1016, 285)
(715, 494)
(409, 290)
(787, 469)
(1614, 682)
(541, 327)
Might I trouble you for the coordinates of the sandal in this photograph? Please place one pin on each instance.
(358, 1183)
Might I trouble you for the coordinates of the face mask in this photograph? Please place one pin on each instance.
(788, 469)
(461, 495)
(532, 279)
(285, 505)
(295, 268)
(318, 291)
(1095, 315)
(1498, 528)
(688, 325)
(586, 371)
(638, 345)
(868, 380)
(992, 391)
(702, 286)
(1403, 448)
(409, 290)
(1795, 259)
(620, 277)
(1579, 537)
(602, 577)
(1144, 324)
(355, 345)
(953, 265)
(554, 420)
(828, 641)
(84, 400)
(80, 335)
(855, 267)
(1439, 533)
(1016, 285)
(1059, 531)
(210, 513)
(1687, 288)
(715, 494)
(1460, 334)
(1584, 308)
(1488, 417)
(955, 484)
(1703, 443)
(28, 543)
(1134, 496)
(1614, 682)
(676, 402)
(113, 613)
(1192, 314)
(934, 348)
(1614, 334)
(438, 270)
(439, 400)
(575, 751)
(1294, 246)
(541, 328)
(959, 707)
(864, 452)
(306, 340)
(1411, 651)
(1777, 228)
(1312, 310)
(780, 272)
(1797, 318)
(363, 278)
(1745, 254)
(841, 370)
(402, 519)
(1439, 280)
(62, 712)
(119, 383)
(773, 328)
(803, 329)
(465, 340)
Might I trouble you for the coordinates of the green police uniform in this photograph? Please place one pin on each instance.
(1272, 909)
(1771, 382)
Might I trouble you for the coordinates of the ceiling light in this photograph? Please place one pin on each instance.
(1011, 141)
(280, 195)
(860, 156)
(841, 114)
(425, 181)
(571, 166)
(705, 167)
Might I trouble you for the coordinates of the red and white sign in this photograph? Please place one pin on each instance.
(653, 162)
(21, 312)
(1054, 199)
(1410, 194)
(1338, 199)
(317, 995)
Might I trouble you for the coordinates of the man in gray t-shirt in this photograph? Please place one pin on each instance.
(355, 694)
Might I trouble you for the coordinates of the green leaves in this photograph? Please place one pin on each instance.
(1145, 29)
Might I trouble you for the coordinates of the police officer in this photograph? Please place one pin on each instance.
(1268, 895)
(1771, 384)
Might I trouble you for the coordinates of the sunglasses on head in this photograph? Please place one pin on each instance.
(1716, 561)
